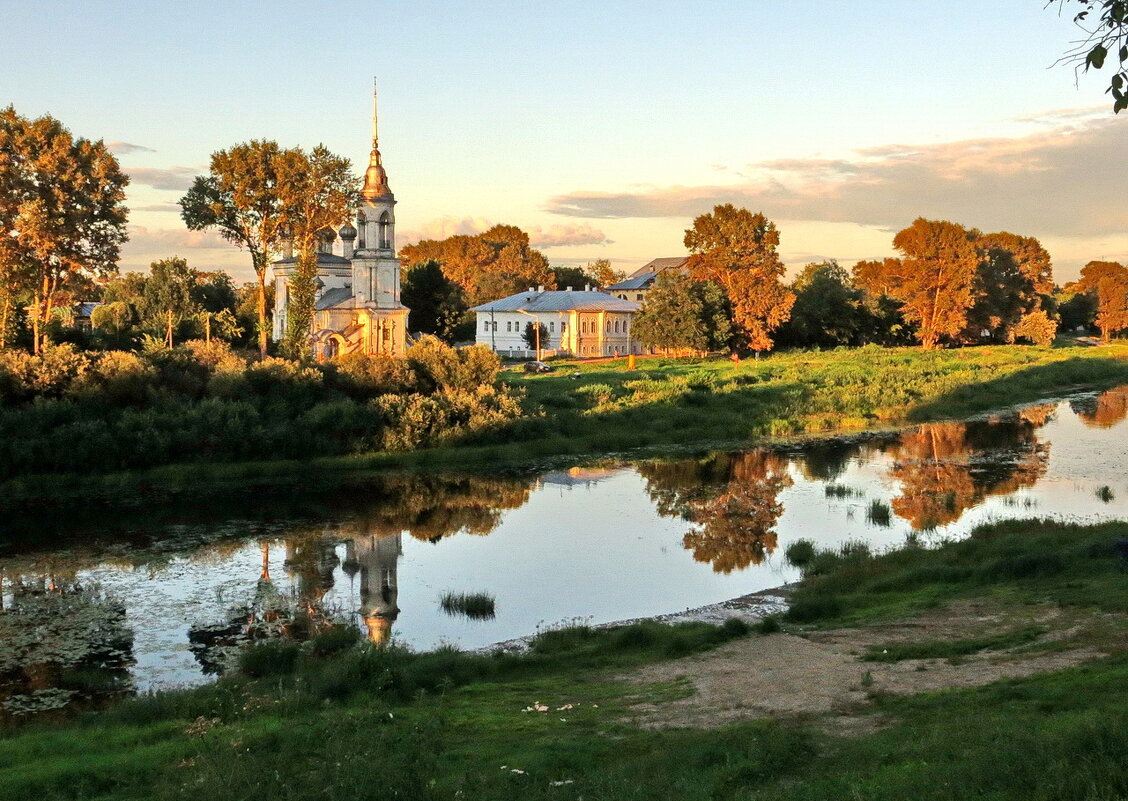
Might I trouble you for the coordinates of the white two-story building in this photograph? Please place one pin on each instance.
(575, 323)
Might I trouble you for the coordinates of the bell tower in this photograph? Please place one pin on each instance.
(376, 271)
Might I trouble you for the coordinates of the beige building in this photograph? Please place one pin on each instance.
(575, 323)
(636, 285)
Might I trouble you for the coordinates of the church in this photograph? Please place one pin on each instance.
(358, 308)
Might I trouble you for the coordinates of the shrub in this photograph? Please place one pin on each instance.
(769, 625)
(809, 610)
(800, 553)
(338, 637)
(269, 658)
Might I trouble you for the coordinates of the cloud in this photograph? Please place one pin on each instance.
(157, 207)
(443, 227)
(122, 148)
(163, 240)
(1065, 181)
(176, 178)
(563, 235)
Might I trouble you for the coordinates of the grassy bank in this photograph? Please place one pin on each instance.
(368, 723)
(586, 409)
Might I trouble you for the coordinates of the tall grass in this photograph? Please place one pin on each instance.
(474, 605)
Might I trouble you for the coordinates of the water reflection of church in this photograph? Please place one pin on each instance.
(375, 559)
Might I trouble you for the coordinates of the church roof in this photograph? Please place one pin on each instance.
(333, 297)
(322, 258)
(558, 300)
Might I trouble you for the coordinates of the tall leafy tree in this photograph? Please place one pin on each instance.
(437, 303)
(316, 191)
(602, 273)
(487, 266)
(828, 309)
(934, 281)
(683, 314)
(62, 214)
(736, 249)
(239, 199)
(1108, 280)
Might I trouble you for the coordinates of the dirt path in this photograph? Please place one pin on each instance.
(821, 674)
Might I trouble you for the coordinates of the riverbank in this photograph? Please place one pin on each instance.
(663, 406)
(983, 668)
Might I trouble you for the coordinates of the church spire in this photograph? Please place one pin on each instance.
(375, 177)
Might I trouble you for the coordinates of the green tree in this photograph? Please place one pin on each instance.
(570, 277)
(1108, 280)
(239, 199)
(736, 249)
(535, 336)
(62, 215)
(169, 305)
(683, 314)
(1104, 24)
(437, 304)
(828, 310)
(316, 192)
(600, 273)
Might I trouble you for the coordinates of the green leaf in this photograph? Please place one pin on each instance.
(1096, 57)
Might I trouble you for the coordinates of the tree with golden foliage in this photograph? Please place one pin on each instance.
(239, 200)
(316, 192)
(1108, 280)
(934, 279)
(486, 266)
(62, 215)
(736, 249)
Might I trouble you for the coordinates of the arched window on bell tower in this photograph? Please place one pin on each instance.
(385, 231)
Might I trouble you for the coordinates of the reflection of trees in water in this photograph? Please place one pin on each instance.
(61, 642)
(1103, 411)
(731, 498)
(433, 506)
(946, 468)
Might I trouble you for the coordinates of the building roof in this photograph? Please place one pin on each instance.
(85, 308)
(322, 258)
(558, 300)
(333, 297)
(636, 281)
(658, 265)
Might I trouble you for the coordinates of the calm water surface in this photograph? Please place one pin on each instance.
(166, 605)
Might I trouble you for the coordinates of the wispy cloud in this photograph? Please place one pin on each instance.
(175, 178)
(563, 235)
(539, 237)
(157, 207)
(143, 239)
(1064, 181)
(123, 148)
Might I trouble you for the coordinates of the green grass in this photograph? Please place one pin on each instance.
(366, 722)
(952, 649)
(1017, 561)
(474, 605)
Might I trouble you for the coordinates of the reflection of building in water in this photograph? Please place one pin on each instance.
(375, 558)
(579, 476)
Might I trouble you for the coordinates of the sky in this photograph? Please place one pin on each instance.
(602, 127)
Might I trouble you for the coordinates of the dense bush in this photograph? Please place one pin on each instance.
(65, 410)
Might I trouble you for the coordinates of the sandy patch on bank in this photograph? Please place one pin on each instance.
(821, 674)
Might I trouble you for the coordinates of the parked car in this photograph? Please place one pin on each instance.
(537, 367)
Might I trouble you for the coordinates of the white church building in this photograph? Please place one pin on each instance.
(357, 308)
